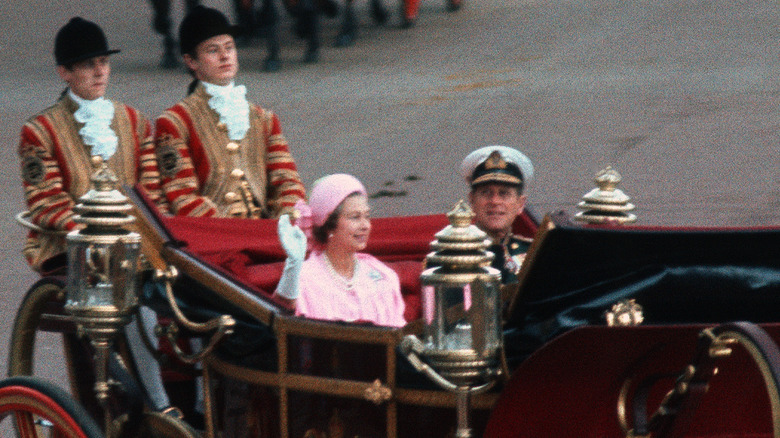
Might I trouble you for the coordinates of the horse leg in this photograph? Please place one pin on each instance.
(328, 7)
(379, 12)
(246, 21)
(346, 36)
(268, 19)
(162, 25)
(190, 5)
(309, 27)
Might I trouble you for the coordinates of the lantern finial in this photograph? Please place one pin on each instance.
(606, 203)
(461, 216)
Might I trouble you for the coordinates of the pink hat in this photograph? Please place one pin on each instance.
(328, 192)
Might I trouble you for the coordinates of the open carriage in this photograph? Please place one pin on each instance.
(687, 370)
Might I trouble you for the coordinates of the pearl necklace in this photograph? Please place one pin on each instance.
(347, 283)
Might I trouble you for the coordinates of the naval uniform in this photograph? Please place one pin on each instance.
(509, 256)
(56, 169)
(205, 173)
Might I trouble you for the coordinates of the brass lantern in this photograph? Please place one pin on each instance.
(102, 264)
(461, 304)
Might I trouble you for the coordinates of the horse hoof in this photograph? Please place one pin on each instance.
(311, 57)
(454, 5)
(271, 65)
(407, 23)
(345, 40)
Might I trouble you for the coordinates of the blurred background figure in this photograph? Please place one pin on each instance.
(263, 21)
(161, 23)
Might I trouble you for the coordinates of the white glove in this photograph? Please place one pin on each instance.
(294, 243)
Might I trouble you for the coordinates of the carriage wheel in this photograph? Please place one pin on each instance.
(43, 294)
(40, 409)
(41, 310)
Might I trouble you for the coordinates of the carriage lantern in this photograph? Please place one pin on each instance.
(461, 305)
(102, 265)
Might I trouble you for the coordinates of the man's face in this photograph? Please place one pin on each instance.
(495, 207)
(87, 79)
(215, 60)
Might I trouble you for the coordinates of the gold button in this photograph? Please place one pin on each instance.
(237, 173)
(221, 126)
(232, 147)
(230, 197)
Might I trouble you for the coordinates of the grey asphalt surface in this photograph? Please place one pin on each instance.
(680, 96)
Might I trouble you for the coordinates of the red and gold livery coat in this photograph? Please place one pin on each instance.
(204, 173)
(56, 169)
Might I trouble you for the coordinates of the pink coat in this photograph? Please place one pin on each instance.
(375, 297)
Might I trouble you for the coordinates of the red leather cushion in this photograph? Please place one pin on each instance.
(409, 275)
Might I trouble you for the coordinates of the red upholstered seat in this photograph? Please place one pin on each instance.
(409, 274)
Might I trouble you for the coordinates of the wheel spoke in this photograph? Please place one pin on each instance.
(25, 424)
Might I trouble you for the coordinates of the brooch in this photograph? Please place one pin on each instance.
(375, 275)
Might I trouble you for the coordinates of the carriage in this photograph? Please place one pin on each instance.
(614, 330)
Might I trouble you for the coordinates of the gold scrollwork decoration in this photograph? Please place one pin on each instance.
(624, 313)
(378, 393)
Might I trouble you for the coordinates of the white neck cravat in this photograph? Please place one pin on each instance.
(96, 115)
(229, 101)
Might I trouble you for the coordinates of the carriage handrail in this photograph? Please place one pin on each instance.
(23, 219)
(223, 324)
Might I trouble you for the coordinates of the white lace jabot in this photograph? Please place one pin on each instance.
(96, 115)
(229, 101)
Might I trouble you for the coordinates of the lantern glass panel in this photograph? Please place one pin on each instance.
(462, 317)
(102, 274)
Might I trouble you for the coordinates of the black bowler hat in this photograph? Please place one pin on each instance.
(201, 24)
(79, 40)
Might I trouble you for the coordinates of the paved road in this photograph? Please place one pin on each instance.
(681, 96)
